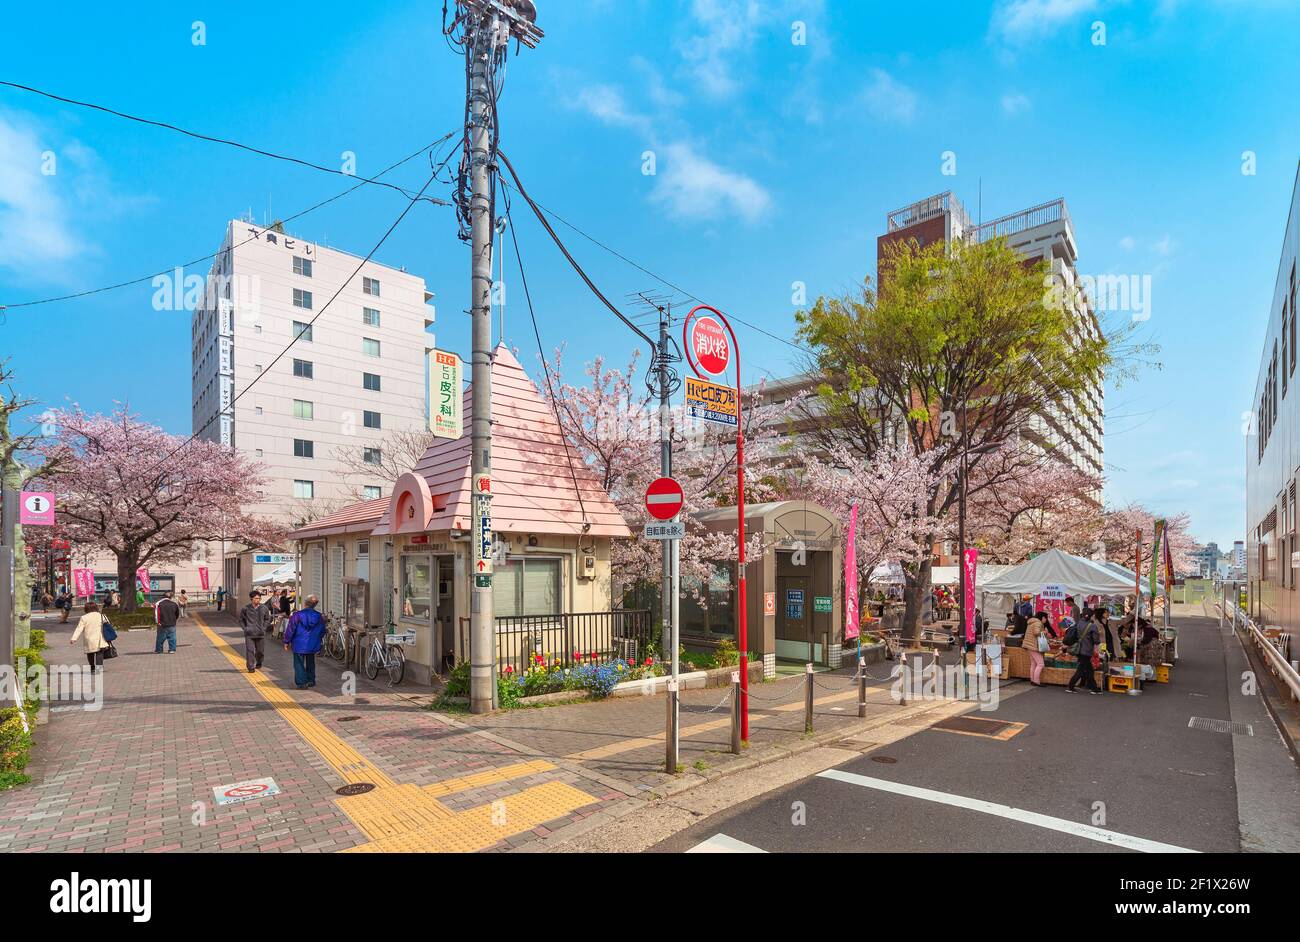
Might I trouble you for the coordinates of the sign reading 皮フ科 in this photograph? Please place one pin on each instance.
(444, 394)
(711, 402)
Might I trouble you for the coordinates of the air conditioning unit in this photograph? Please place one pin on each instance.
(588, 567)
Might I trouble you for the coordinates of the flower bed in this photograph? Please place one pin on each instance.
(592, 674)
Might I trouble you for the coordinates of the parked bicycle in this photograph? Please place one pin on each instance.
(384, 655)
(335, 642)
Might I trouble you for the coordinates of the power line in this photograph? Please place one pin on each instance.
(546, 369)
(240, 395)
(217, 140)
(208, 258)
(662, 280)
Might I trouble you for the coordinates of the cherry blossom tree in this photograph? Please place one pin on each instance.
(614, 422)
(145, 496)
(1118, 537)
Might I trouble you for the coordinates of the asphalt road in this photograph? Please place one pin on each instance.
(1113, 766)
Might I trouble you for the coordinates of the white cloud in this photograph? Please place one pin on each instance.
(721, 34)
(1128, 243)
(34, 226)
(887, 99)
(606, 104)
(1014, 103)
(693, 187)
(1163, 246)
(1021, 20)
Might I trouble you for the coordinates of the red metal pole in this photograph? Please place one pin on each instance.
(742, 621)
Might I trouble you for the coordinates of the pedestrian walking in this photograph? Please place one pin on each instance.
(167, 613)
(254, 619)
(46, 600)
(221, 596)
(90, 629)
(1037, 643)
(1083, 640)
(286, 603)
(303, 636)
(184, 603)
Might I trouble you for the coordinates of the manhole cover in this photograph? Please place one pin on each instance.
(347, 719)
(977, 726)
(1220, 726)
(887, 760)
(356, 788)
(360, 700)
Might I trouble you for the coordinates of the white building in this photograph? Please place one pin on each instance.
(319, 413)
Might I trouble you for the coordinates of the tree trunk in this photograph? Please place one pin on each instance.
(913, 597)
(127, 564)
(13, 478)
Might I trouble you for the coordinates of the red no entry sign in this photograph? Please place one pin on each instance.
(709, 346)
(664, 498)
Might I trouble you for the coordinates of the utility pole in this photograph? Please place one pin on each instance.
(8, 568)
(484, 28)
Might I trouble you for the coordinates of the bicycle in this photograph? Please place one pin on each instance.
(391, 657)
(334, 644)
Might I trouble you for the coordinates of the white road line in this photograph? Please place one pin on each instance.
(721, 844)
(1006, 811)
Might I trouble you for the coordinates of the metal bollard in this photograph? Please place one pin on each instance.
(862, 687)
(735, 713)
(808, 699)
(670, 740)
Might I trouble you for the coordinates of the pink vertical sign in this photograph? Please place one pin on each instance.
(84, 580)
(970, 561)
(142, 576)
(851, 578)
(203, 578)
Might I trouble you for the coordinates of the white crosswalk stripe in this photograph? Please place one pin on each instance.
(722, 844)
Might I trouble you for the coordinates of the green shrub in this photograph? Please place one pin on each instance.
(458, 681)
(31, 655)
(38, 639)
(726, 654)
(15, 748)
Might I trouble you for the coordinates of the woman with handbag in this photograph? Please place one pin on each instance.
(90, 628)
(1037, 644)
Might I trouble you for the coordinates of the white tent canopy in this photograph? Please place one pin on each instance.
(280, 575)
(951, 575)
(1079, 576)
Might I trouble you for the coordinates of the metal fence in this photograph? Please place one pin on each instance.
(572, 637)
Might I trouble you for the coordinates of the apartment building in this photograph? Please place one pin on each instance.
(1272, 547)
(1045, 232)
(319, 412)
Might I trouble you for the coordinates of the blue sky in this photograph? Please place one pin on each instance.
(775, 162)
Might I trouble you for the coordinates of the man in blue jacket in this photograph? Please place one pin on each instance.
(303, 635)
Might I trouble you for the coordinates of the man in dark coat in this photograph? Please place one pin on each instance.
(255, 620)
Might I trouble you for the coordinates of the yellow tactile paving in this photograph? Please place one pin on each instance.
(489, 777)
(350, 764)
(485, 825)
(410, 818)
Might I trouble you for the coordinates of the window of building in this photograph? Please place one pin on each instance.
(371, 419)
(302, 331)
(302, 448)
(527, 587)
(370, 381)
(302, 299)
(370, 317)
(715, 615)
(1291, 367)
(302, 409)
(370, 286)
(304, 490)
(372, 492)
(302, 266)
(372, 456)
(369, 347)
(302, 368)
(417, 587)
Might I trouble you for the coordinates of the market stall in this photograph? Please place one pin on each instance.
(1049, 579)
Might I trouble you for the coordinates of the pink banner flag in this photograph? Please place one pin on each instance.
(970, 561)
(851, 579)
(203, 578)
(142, 578)
(84, 580)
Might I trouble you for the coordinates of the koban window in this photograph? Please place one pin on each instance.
(527, 587)
(417, 587)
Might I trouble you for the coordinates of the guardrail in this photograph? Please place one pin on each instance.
(1272, 656)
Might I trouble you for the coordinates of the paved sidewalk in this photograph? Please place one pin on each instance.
(139, 774)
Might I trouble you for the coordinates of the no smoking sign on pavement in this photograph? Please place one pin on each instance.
(245, 791)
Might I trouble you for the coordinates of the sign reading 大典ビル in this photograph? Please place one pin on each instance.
(444, 394)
